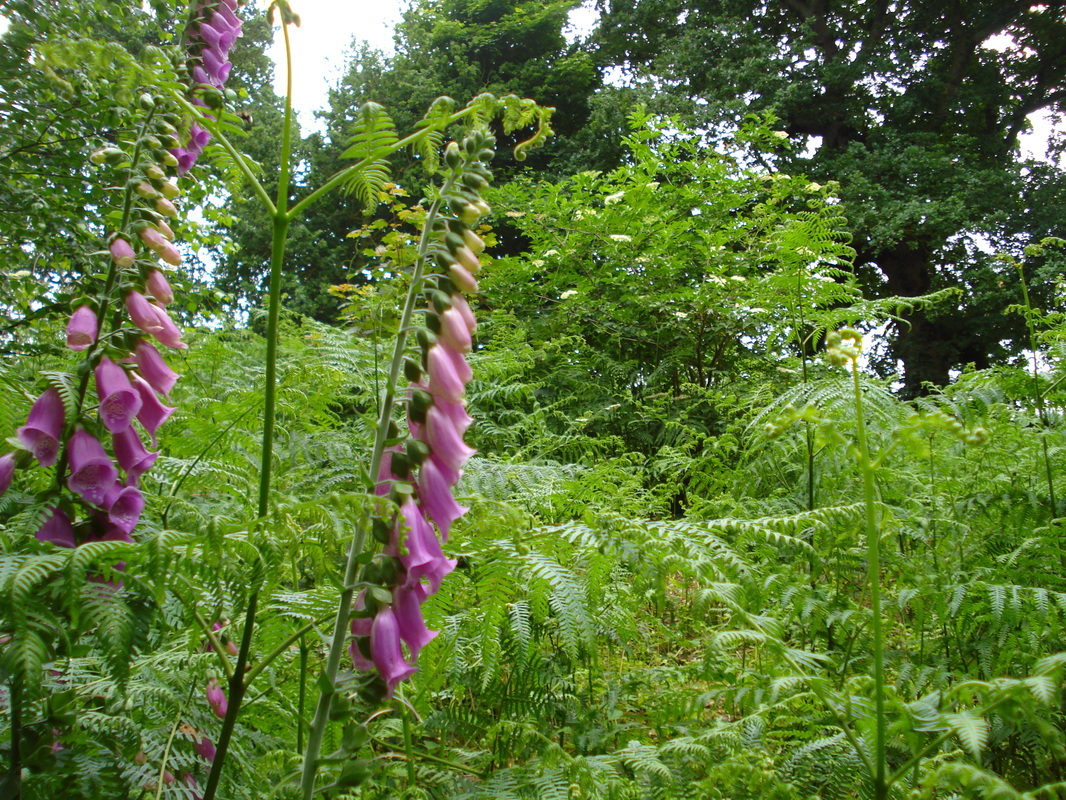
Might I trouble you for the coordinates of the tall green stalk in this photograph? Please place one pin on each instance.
(351, 569)
(1038, 397)
(237, 683)
(873, 555)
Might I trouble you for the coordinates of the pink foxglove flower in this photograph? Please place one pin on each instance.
(121, 252)
(82, 329)
(7, 472)
(44, 428)
(445, 373)
(143, 313)
(423, 558)
(131, 455)
(124, 507)
(216, 698)
(205, 749)
(169, 335)
(159, 288)
(57, 530)
(119, 402)
(91, 472)
(407, 607)
(153, 413)
(386, 652)
(154, 369)
(435, 495)
(454, 331)
(446, 440)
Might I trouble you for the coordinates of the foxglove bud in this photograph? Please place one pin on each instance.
(462, 278)
(154, 369)
(170, 190)
(143, 313)
(82, 329)
(216, 698)
(165, 207)
(466, 258)
(473, 241)
(121, 252)
(159, 288)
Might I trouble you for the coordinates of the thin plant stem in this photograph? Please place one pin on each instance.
(408, 745)
(873, 549)
(328, 680)
(237, 683)
(1038, 397)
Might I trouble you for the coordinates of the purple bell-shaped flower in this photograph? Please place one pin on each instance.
(44, 427)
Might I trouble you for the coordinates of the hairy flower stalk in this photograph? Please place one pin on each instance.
(416, 472)
(209, 38)
(97, 448)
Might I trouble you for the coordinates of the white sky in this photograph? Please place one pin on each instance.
(321, 46)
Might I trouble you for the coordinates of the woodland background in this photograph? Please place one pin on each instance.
(664, 573)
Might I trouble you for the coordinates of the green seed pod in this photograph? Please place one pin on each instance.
(401, 467)
(452, 157)
(433, 322)
(419, 404)
(417, 451)
(487, 154)
(340, 708)
(441, 302)
(412, 371)
(453, 241)
(146, 102)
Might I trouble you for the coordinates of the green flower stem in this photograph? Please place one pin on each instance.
(341, 177)
(266, 661)
(1038, 396)
(105, 300)
(166, 751)
(408, 745)
(328, 681)
(437, 760)
(213, 127)
(873, 548)
(237, 683)
(215, 644)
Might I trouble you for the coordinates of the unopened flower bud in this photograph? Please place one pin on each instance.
(165, 207)
(146, 190)
(473, 241)
(159, 288)
(452, 156)
(170, 189)
(121, 252)
(155, 172)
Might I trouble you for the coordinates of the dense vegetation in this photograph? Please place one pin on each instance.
(713, 544)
